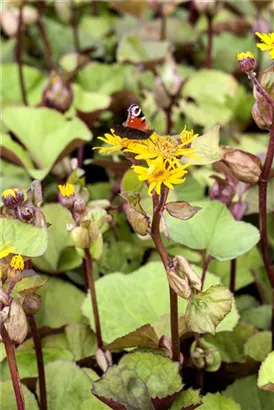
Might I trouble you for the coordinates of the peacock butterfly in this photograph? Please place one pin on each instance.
(135, 127)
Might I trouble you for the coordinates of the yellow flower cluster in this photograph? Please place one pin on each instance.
(66, 190)
(17, 262)
(267, 43)
(162, 155)
(9, 192)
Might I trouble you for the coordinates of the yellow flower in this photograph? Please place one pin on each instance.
(160, 172)
(5, 252)
(17, 262)
(243, 55)
(117, 143)
(168, 148)
(66, 190)
(9, 192)
(267, 43)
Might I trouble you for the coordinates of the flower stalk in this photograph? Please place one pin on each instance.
(13, 369)
(158, 207)
(19, 49)
(208, 62)
(91, 286)
(40, 362)
(47, 47)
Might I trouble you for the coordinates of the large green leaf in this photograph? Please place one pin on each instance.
(26, 361)
(10, 89)
(141, 298)
(214, 230)
(266, 374)
(68, 387)
(13, 176)
(81, 340)
(61, 304)
(188, 399)
(89, 101)
(42, 130)
(245, 266)
(25, 238)
(208, 108)
(135, 50)
(60, 254)
(245, 392)
(139, 378)
(8, 401)
(258, 346)
(218, 402)
(259, 316)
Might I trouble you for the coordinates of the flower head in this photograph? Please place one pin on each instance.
(17, 262)
(246, 61)
(116, 143)
(12, 197)
(168, 148)
(267, 43)
(4, 251)
(160, 172)
(66, 190)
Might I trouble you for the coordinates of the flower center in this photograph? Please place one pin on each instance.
(165, 147)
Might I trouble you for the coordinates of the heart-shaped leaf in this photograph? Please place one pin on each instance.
(9, 403)
(141, 298)
(47, 131)
(266, 374)
(139, 378)
(258, 346)
(188, 399)
(218, 402)
(214, 230)
(60, 254)
(206, 310)
(246, 392)
(24, 238)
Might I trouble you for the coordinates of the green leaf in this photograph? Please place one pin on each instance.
(231, 344)
(245, 392)
(215, 230)
(13, 176)
(68, 387)
(130, 182)
(188, 399)
(50, 133)
(191, 190)
(10, 89)
(14, 152)
(29, 285)
(207, 147)
(26, 361)
(246, 264)
(245, 302)
(218, 402)
(58, 257)
(266, 373)
(258, 346)
(25, 238)
(81, 340)
(205, 310)
(135, 50)
(141, 298)
(55, 310)
(209, 108)
(138, 378)
(259, 317)
(89, 101)
(9, 403)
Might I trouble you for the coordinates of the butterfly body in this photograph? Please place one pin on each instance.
(135, 127)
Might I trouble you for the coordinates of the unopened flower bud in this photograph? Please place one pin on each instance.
(244, 166)
(223, 190)
(16, 268)
(66, 195)
(79, 206)
(27, 213)
(80, 237)
(138, 220)
(12, 198)
(246, 61)
(57, 93)
(32, 304)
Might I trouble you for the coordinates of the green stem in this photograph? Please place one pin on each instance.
(13, 369)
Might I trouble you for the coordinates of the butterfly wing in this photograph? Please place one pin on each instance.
(132, 133)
